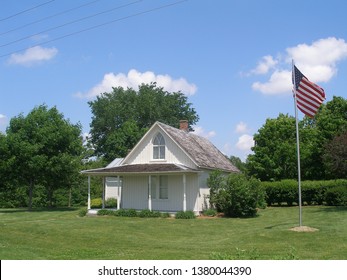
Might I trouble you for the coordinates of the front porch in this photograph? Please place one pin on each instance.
(159, 187)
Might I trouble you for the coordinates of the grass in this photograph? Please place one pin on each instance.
(61, 234)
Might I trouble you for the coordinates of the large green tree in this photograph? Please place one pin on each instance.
(44, 149)
(274, 150)
(121, 117)
(331, 119)
(335, 157)
(275, 153)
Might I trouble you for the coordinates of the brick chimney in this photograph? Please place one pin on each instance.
(184, 125)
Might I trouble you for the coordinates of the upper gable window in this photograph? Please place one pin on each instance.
(159, 147)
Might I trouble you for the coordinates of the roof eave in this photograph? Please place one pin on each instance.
(112, 174)
(220, 169)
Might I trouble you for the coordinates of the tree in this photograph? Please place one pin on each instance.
(331, 119)
(44, 149)
(121, 117)
(274, 155)
(7, 192)
(236, 161)
(235, 195)
(335, 157)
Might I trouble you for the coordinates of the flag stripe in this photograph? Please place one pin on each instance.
(307, 103)
(316, 90)
(301, 94)
(309, 96)
(307, 110)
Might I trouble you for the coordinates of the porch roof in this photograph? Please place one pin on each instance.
(150, 168)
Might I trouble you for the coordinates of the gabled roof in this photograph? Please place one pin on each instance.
(199, 149)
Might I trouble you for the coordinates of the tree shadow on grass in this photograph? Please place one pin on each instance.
(332, 209)
(34, 210)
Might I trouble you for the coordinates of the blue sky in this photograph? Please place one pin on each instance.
(231, 58)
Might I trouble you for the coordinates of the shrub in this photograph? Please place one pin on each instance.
(82, 212)
(336, 196)
(125, 213)
(235, 195)
(96, 203)
(165, 215)
(149, 214)
(185, 215)
(111, 203)
(312, 192)
(105, 212)
(285, 191)
(210, 212)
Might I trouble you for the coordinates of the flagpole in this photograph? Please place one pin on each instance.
(297, 145)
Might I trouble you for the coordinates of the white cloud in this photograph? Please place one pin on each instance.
(241, 127)
(198, 130)
(3, 121)
(33, 55)
(280, 82)
(135, 78)
(317, 61)
(245, 142)
(267, 63)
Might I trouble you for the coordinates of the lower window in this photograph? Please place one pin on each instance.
(159, 187)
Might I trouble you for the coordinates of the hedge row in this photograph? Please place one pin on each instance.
(145, 214)
(132, 213)
(332, 193)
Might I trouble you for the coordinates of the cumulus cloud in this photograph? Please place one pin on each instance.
(266, 63)
(317, 61)
(3, 121)
(280, 82)
(33, 55)
(245, 142)
(241, 127)
(135, 78)
(198, 130)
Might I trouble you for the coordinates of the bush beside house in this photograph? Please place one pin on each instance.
(235, 195)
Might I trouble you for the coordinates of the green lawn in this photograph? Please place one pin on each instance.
(61, 234)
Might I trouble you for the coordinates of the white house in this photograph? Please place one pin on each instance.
(166, 171)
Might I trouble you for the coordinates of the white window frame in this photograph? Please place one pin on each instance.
(159, 147)
(159, 187)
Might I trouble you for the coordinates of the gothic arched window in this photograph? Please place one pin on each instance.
(159, 147)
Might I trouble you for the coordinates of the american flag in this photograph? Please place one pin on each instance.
(309, 96)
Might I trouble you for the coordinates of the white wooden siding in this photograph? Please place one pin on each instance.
(192, 192)
(143, 152)
(135, 194)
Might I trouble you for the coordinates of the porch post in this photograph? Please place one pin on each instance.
(184, 192)
(118, 194)
(103, 192)
(88, 192)
(150, 192)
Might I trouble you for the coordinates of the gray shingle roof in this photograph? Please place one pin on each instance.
(201, 150)
(142, 168)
